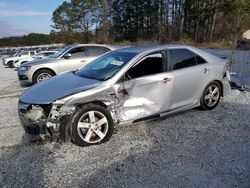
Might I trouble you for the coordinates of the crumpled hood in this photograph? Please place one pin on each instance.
(57, 87)
(39, 61)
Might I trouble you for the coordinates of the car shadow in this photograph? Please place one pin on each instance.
(208, 150)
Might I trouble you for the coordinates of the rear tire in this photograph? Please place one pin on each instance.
(10, 64)
(91, 125)
(211, 96)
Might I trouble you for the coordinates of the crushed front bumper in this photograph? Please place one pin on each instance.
(31, 127)
(48, 121)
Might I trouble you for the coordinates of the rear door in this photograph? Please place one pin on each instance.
(190, 74)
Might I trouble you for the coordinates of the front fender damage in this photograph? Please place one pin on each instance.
(58, 120)
(123, 108)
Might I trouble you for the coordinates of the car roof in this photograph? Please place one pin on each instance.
(52, 51)
(112, 47)
(153, 48)
(148, 48)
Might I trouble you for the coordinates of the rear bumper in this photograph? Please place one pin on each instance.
(4, 62)
(226, 87)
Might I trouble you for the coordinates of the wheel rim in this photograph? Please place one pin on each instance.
(92, 127)
(43, 76)
(212, 95)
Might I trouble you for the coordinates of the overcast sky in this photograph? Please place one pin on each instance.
(20, 17)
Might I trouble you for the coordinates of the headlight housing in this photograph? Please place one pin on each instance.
(24, 68)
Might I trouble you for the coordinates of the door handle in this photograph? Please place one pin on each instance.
(205, 70)
(166, 80)
(83, 61)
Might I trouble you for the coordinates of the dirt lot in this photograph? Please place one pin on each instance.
(191, 149)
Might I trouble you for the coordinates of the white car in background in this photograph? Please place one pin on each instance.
(44, 54)
(19, 59)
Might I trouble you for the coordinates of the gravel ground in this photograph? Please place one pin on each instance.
(191, 149)
(9, 84)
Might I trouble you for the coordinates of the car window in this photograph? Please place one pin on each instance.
(200, 60)
(24, 53)
(48, 53)
(32, 53)
(96, 51)
(106, 66)
(150, 65)
(78, 52)
(181, 58)
(62, 51)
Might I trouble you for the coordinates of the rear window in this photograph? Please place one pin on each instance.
(182, 58)
(96, 50)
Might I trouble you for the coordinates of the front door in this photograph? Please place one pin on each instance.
(146, 90)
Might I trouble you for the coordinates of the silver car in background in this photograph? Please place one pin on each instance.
(68, 59)
(44, 54)
(123, 87)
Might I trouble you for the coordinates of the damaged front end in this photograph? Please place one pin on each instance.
(47, 121)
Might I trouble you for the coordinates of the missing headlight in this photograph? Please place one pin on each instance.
(35, 113)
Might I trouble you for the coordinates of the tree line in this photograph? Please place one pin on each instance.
(162, 21)
(153, 20)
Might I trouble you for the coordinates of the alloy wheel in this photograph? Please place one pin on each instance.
(212, 95)
(92, 127)
(43, 76)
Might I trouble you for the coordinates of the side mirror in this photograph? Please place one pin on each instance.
(20, 56)
(67, 55)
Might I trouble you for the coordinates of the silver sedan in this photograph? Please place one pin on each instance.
(123, 87)
(68, 59)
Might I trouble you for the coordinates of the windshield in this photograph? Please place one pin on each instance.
(106, 66)
(17, 54)
(62, 51)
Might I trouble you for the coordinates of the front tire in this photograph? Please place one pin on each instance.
(211, 96)
(42, 75)
(91, 125)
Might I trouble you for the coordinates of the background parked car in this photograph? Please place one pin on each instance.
(18, 59)
(68, 59)
(44, 54)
